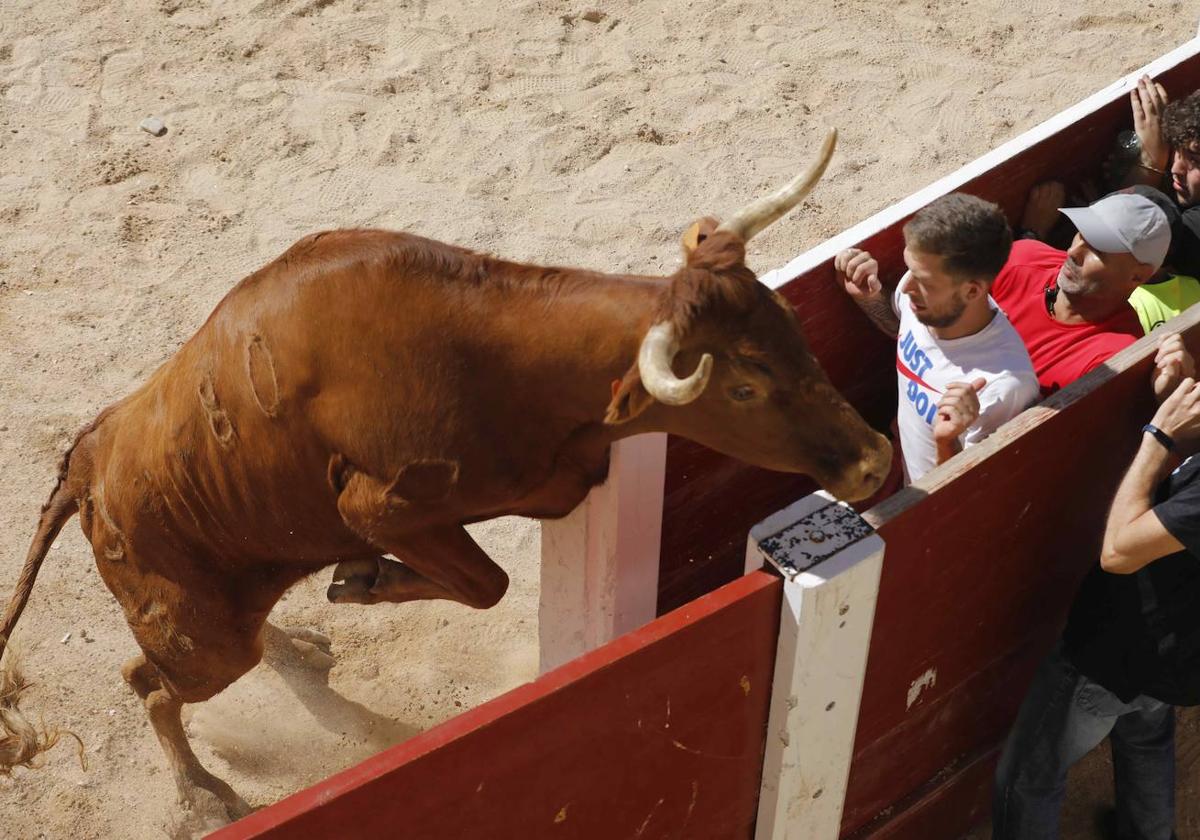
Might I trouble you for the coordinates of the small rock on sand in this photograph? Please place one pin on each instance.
(153, 125)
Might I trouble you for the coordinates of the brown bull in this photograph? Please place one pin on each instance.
(369, 393)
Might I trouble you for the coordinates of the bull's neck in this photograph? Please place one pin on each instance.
(583, 337)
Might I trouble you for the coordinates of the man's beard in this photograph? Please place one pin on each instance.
(1184, 196)
(1070, 280)
(945, 318)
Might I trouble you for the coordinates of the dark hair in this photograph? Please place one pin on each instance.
(1181, 121)
(1183, 256)
(970, 235)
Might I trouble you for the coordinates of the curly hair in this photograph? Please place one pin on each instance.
(970, 235)
(1181, 121)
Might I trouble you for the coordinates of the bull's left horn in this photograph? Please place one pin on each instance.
(751, 220)
(654, 364)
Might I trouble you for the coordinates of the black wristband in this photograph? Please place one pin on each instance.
(1160, 436)
(1025, 233)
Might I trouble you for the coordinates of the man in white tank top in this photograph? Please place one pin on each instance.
(961, 367)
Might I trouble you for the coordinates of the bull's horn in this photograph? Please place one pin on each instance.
(654, 364)
(751, 220)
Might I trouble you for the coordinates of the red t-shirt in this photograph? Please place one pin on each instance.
(1061, 353)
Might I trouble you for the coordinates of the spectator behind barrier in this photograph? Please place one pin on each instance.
(1169, 158)
(961, 367)
(1169, 291)
(1169, 142)
(1130, 651)
(1071, 307)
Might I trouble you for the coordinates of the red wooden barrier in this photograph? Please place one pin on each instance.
(981, 564)
(659, 733)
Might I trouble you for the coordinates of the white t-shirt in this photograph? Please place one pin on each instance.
(926, 365)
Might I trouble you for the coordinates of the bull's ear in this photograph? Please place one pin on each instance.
(697, 233)
(629, 399)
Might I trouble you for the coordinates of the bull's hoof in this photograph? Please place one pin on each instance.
(353, 582)
(206, 808)
(298, 647)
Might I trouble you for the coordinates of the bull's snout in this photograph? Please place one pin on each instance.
(860, 479)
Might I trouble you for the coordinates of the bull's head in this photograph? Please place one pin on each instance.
(754, 390)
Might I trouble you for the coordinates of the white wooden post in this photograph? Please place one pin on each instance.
(600, 563)
(830, 559)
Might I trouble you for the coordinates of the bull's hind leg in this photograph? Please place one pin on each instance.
(211, 802)
(199, 625)
(440, 562)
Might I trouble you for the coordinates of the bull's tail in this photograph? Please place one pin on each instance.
(20, 741)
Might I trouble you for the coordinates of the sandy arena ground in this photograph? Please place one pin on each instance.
(529, 129)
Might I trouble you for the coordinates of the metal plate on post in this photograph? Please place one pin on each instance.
(817, 536)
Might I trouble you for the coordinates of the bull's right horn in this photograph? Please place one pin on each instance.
(654, 364)
(751, 219)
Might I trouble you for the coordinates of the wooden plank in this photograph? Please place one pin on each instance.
(599, 572)
(659, 733)
(830, 559)
(710, 501)
(984, 557)
(958, 715)
(962, 796)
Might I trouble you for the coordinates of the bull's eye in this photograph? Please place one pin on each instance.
(742, 393)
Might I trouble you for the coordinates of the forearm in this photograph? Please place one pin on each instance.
(1135, 493)
(1135, 496)
(879, 310)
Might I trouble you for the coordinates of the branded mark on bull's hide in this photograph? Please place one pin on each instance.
(218, 420)
(114, 548)
(263, 383)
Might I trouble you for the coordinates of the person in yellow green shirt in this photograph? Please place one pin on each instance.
(1175, 287)
(1157, 303)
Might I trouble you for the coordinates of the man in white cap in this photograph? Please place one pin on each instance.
(1071, 307)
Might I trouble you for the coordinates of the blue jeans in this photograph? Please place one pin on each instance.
(1065, 715)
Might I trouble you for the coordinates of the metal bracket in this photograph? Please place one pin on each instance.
(814, 537)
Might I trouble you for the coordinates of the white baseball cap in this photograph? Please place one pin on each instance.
(1124, 223)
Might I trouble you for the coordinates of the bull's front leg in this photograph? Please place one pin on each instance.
(439, 562)
(436, 562)
(452, 567)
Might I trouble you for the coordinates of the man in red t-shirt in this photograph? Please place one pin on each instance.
(1071, 307)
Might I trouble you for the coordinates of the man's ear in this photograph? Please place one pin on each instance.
(976, 289)
(629, 399)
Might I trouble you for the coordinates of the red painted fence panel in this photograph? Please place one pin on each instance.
(658, 734)
(976, 580)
